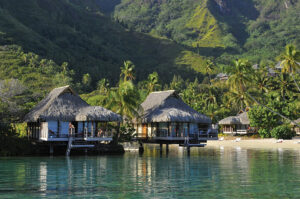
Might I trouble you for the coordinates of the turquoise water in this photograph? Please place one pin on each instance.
(207, 173)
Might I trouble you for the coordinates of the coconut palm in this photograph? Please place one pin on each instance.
(261, 81)
(239, 76)
(291, 62)
(127, 71)
(238, 81)
(124, 100)
(238, 99)
(152, 82)
(284, 85)
(209, 67)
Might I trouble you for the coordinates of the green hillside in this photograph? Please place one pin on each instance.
(226, 29)
(78, 32)
(172, 37)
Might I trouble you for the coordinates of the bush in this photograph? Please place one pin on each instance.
(264, 133)
(283, 132)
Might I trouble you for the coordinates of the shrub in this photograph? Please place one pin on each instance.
(264, 133)
(283, 132)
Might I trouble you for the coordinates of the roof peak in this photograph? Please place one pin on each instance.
(163, 91)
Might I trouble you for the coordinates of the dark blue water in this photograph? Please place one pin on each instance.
(207, 173)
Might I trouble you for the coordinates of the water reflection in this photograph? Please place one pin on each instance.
(207, 172)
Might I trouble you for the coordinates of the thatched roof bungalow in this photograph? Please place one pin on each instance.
(235, 124)
(165, 115)
(63, 111)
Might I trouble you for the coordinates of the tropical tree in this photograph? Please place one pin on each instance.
(291, 62)
(261, 81)
(284, 85)
(209, 67)
(124, 100)
(153, 82)
(127, 71)
(239, 76)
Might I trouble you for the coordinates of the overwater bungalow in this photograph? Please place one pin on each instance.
(63, 114)
(239, 124)
(167, 119)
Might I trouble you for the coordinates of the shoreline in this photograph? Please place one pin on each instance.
(267, 143)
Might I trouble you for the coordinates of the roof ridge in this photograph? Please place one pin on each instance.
(163, 91)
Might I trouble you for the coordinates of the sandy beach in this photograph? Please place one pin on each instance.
(256, 143)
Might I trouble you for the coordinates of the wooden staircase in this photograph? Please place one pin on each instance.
(72, 143)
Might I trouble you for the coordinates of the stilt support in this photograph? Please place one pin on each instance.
(160, 147)
(167, 148)
(188, 150)
(51, 149)
(141, 148)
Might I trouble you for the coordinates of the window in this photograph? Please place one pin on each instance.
(163, 129)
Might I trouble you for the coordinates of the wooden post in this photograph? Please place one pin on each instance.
(57, 133)
(188, 133)
(51, 149)
(169, 130)
(92, 129)
(167, 148)
(188, 150)
(160, 147)
(141, 148)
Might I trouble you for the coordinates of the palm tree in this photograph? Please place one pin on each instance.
(239, 76)
(240, 99)
(238, 85)
(261, 81)
(124, 100)
(209, 67)
(127, 71)
(152, 82)
(291, 62)
(284, 85)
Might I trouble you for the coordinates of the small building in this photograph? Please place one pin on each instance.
(167, 119)
(239, 124)
(63, 114)
(222, 76)
(296, 128)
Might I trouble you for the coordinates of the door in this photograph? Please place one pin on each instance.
(144, 132)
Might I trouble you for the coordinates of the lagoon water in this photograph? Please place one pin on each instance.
(206, 173)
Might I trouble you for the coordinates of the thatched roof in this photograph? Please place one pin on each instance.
(91, 113)
(64, 104)
(166, 106)
(239, 119)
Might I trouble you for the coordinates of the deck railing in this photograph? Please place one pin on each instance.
(195, 135)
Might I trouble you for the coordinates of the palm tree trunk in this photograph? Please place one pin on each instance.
(296, 83)
(273, 111)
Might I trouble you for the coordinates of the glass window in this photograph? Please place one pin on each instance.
(163, 129)
(193, 128)
(154, 129)
(173, 130)
(185, 129)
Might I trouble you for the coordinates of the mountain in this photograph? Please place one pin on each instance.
(78, 32)
(225, 29)
(172, 37)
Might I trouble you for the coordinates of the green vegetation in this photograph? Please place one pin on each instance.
(253, 29)
(79, 33)
(283, 132)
